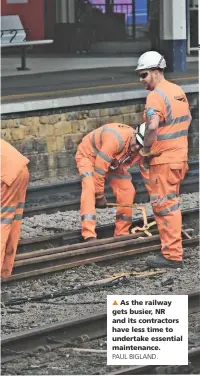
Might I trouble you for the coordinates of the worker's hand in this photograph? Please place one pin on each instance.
(148, 153)
(147, 158)
(101, 202)
(145, 152)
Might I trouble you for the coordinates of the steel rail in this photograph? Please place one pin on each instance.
(67, 333)
(67, 259)
(60, 197)
(189, 186)
(49, 189)
(71, 237)
(44, 254)
(193, 356)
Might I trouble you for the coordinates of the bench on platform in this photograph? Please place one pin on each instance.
(14, 35)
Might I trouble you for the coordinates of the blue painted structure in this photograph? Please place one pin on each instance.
(140, 13)
(140, 9)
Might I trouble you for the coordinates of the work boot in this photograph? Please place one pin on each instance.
(160, 261)
(89, 239)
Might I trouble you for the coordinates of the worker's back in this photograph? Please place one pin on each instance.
(114, 136)
(12, 162)
(171, 103)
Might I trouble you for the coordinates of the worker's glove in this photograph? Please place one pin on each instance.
(101, 202)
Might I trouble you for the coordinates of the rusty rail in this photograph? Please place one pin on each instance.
(193, 357)
(71, 237)
(66, 258)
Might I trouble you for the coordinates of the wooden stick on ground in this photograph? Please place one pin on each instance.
(89, 350)
(186, 234)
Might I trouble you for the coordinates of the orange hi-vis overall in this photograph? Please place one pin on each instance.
(14, 181)
(168, 170)
(94, 158)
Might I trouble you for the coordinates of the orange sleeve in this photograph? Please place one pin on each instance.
(104, 158)
(154, 105)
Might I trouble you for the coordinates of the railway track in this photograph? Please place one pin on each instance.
(64, 196)
(70, 334)
(71, 237)
(57, 259)
(41, 262)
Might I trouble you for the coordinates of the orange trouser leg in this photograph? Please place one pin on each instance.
(88, 211)
(164, 184)
(12, 206)
(124, 192)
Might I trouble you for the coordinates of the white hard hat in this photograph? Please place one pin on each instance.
(140, 131)
(150, 60)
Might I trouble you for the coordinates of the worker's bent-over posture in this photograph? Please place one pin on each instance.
(14, 181)
(106, 153)
(167, 117)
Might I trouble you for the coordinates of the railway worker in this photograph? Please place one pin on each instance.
(107, 152)
(167, 116)
(14, 181)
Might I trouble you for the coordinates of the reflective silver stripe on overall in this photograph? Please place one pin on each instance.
(6, 221)
(174, 120)
(158, 199)
(18, 217)
(94, 145)
(169, 119)
(171, 136)
(114, 132)
(166, 211)
(123, 218)
(99, 171)
(8, 209)
(88, 216)
(86, 174)
(105, 157)
(12, 209)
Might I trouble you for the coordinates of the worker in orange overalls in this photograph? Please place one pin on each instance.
(107, 152)
(167, 118)
(14, 181)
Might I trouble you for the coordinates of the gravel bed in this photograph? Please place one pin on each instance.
(49, 224)
(65, 361)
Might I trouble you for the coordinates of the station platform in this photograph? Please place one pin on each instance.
(54, 78)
